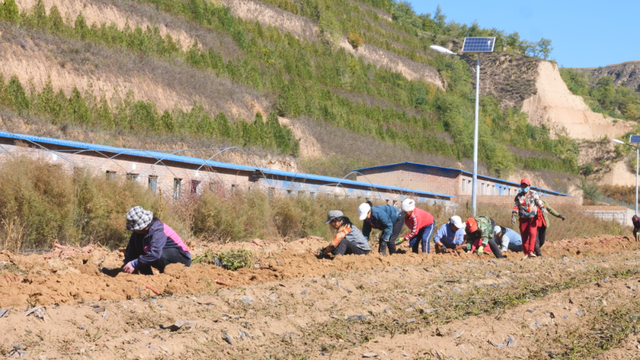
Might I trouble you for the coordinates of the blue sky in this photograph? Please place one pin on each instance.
(583, 33)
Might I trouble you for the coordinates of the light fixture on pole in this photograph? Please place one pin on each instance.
(473, 45)
(634, 139)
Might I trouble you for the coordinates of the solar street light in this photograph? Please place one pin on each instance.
(634, 139)
(473, 45)
(442, 50)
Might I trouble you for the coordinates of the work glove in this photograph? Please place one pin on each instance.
(320, 253)
(467, 248)
(480, 250)
(399, 241)
(513, 219)
(562, 217)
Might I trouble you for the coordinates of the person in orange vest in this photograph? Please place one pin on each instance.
(527, 205)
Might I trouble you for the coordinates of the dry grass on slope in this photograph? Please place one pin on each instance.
(36, 57)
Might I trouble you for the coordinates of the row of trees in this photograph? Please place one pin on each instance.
(602, 95)
(437, 24)
(141, 117)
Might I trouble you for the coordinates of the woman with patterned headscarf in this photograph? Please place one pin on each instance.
(152, 244)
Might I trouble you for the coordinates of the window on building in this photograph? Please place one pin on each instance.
(177, 188)
(312, 194)
(153, 183)
(194, 186)
(464, 185)
(493, 190)
(132, 176)
(302, 193)
(289, 193)
(111, 175)
(234, 187)
(482, 189)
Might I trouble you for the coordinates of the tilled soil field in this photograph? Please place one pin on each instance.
(578, 301)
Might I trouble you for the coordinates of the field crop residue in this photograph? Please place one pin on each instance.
(577, 301)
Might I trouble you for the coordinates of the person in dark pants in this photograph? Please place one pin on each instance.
(152, 244)
(507, 239)
(479, 236)
(389, 219)
(636, 226)
(543, 223)
(348, 240)
(422, 226)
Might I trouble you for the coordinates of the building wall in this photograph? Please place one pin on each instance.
(177, 179)
(435, 180)
(486, 187)
(507, 201)
(620, 214)
(449, 183)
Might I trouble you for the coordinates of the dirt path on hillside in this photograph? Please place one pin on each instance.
(299, 306)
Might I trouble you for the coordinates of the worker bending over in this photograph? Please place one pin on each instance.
(152, 244)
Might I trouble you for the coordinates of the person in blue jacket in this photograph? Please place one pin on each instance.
(152, 244)
(389, 219)
(507, 239)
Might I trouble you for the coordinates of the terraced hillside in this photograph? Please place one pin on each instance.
(303, 81)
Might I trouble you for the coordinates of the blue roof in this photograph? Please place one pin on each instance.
(215, 164)
(551, 192)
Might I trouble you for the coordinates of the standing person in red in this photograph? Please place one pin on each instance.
(421, 224)
(527, 205)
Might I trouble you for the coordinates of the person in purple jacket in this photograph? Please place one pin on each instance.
(152, 244)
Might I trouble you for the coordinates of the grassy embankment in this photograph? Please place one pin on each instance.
(41, 203)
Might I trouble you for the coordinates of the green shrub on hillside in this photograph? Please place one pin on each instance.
(139, 116)
(603, 97)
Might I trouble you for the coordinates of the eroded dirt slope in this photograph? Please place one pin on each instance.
(557, 108)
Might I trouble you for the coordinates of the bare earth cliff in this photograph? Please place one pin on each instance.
(557, 108)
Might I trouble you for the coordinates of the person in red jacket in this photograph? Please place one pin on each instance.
(421, 224)
(527, 205)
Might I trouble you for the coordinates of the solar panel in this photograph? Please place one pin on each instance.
(634, 139)
(478, 44)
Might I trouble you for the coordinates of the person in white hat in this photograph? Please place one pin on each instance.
(507, 239)
(389, 219)
(450, 235)
(422, 225)
(152, 244)
(348, 240)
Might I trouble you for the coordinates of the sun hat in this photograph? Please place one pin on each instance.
(456, 221)
(472, 225)
(408, 205)
(333, 214)
(138, 218)
(525, 181)
(497, 230)
(363, 211)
